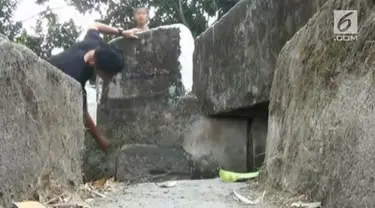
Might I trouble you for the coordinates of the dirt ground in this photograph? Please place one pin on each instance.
(186, 193)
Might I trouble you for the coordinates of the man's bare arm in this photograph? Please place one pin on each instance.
(106, 29)
(102, 143)
(103, 28)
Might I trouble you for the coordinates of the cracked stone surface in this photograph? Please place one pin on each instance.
(41, 124)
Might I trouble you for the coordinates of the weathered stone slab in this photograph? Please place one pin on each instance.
(41, 124)
(321, 125)
(234, 60)
(214, 143)
(141, 163)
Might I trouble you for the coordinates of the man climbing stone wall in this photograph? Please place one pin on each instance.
(41, 125)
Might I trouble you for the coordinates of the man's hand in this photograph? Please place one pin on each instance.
(103, 144)
(131, 33)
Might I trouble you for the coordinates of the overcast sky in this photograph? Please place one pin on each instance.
(28, 9)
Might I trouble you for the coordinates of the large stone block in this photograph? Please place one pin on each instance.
(213, 143)
(234, 60)
(321, 124)
(140, 162)
(41, 124)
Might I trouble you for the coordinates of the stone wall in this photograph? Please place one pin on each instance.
(41, 125)
(321, 123)
(234, 60)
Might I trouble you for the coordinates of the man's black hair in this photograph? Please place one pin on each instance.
(109, 59)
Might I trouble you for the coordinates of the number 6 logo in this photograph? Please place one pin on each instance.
(345, 22)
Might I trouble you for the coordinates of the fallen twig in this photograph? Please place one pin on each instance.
(263, 195)
(307, 205)
(245, 200)
(73, 205)
(57, 198)
(96, 193)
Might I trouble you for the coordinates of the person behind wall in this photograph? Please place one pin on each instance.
(142, 18)
(93, 56)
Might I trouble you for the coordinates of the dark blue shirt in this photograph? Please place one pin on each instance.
(72, 63)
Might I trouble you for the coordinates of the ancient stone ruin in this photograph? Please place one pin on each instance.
(148, 105)
(266, 87)
(320, 133)
(234, 62)
(41, 125)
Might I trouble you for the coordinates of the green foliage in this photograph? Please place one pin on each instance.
(192, 13)
(7, 26)
(223, 6)
(50, 33)
(57, 35)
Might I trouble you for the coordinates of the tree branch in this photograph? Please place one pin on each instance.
(181, 11)
(44, 11)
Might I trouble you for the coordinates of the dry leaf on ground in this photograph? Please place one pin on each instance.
(307, 205)
(167, 184)
(29, 204)
(99, 183)
(245, 200)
